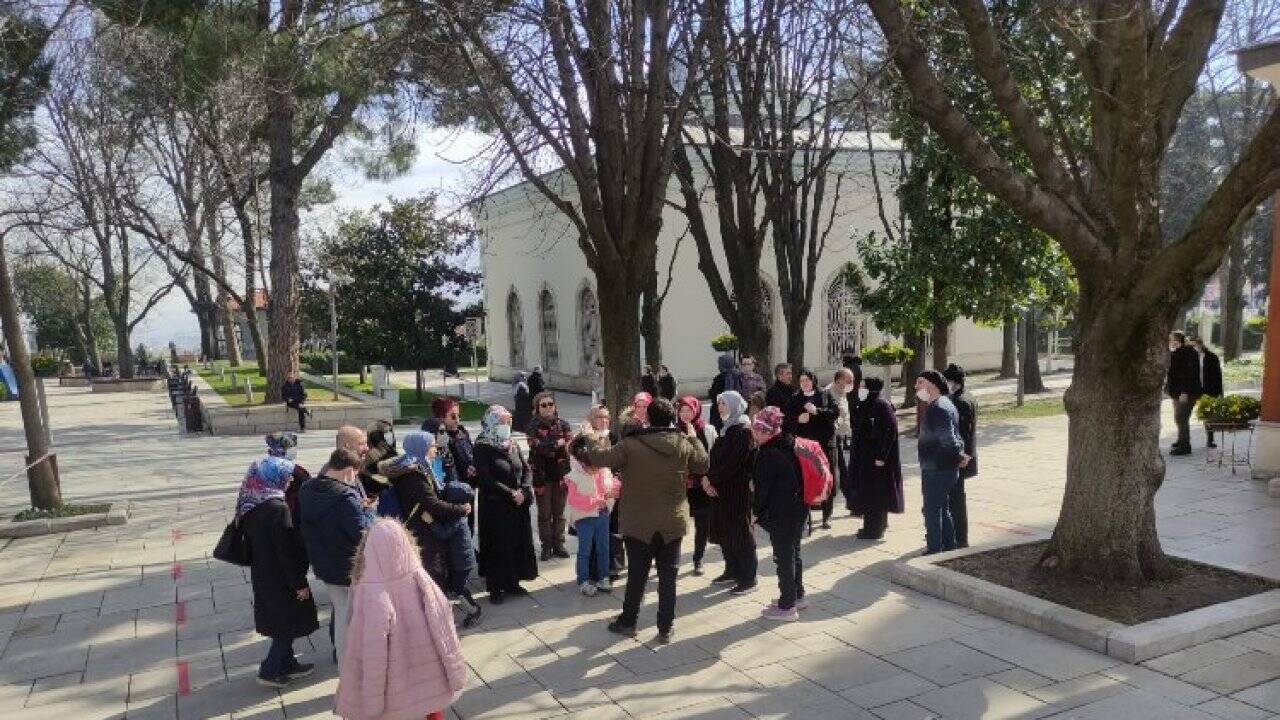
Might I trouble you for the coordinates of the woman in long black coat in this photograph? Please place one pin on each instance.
(523, 402)
(876, 464)
(728, 482)
(506, 492)
(283, 608)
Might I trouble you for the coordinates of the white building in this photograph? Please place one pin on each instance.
(540, 296)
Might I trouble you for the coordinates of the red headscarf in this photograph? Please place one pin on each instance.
(442, 405)
(691, 402)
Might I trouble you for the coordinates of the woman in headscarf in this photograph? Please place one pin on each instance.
(283, 609)
(876, 462)
(812, 414)
(689, 421)
(635, 417)
(506, 491)
(381, 436)
(728, 483)
(419, 493)
(523, 402)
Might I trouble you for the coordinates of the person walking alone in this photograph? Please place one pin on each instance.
(728, 483)
(654, 463)
(941, 453)
(333, 516)
(968, 411)
(780, 509)
(1210, 377)
(549, 438)
(1183, 386)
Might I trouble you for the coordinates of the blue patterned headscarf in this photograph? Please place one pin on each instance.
(493, 417)
(265, 480)
(736, 406)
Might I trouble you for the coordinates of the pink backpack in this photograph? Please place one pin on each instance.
(818, 481)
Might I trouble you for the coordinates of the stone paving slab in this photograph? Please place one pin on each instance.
(136, 621)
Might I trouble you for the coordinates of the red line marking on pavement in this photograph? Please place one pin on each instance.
(176, 570)
(184, 677)
(180, 613)
(176, 534)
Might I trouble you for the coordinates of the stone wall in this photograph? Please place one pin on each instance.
(74, 381)
(223, 419)
(136, 385)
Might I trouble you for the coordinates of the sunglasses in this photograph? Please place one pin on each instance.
(452, 416)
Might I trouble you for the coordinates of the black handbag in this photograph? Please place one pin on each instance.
(233, 547)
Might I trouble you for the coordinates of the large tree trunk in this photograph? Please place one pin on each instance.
(282, 318)
(941, 332)
(1107, 526)
(1009, 350)
(651, 321)
(1233, 299)
(619, 338)
(229, 332)
(42, 480)
(208, 341)
(124, 353)
(1031, 380)
(912, 367)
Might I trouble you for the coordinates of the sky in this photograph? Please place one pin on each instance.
(444, 165)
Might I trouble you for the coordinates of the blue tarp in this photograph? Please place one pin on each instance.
(10, 382)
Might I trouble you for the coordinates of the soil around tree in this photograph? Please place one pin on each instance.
(1193, 585)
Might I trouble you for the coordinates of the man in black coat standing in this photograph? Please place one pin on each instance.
(955, 375)
(780, 392)
(1210, 375)
(1183, 386)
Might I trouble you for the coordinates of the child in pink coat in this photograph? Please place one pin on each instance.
(590, 499)
(402, 660)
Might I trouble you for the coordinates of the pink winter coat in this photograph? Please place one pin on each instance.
(586, 490)
(402, 659)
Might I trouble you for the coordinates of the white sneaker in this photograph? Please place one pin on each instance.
(587, 589)
(605, 585)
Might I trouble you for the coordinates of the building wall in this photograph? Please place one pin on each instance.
(530, 248)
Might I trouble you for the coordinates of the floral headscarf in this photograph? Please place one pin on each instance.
(265, 480)
(493, 417)
(737, 407)
(640, 407)
(280, 443)
(768, 421)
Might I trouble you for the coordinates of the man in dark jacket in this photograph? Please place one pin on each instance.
(780, 392)
(780, 509)
(333, 517)
(1183, 386)
(549, 438)
(295, 398)
(654, 516)
(729, 378)
(537, 385)
(968, 411)
(941, 453)
(752, 382)
(1210, 376)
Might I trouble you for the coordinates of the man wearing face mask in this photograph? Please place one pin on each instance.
(941, 453)
(842, 390)
(1183, 386)
(968, 411)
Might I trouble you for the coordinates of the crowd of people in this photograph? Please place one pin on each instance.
(389, 528)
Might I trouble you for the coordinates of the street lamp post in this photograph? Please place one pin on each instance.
(1262, 61)
(333, 332)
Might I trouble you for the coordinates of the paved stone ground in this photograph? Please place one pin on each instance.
(137, 621)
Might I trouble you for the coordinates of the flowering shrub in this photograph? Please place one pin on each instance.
(45, 365)
(724, 343)
(1228, 409)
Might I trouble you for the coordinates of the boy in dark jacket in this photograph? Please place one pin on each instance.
(549, 438)
(968, 412)
(333, 517)
(780, 509)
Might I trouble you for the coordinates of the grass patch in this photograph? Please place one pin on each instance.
(1243, 369)
(66, 511)
(1043, 407)
(234, 394)
(411, 406)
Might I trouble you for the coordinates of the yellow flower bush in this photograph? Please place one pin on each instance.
(1228, 409)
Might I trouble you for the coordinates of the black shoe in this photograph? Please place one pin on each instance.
(496, 597)
(472, 618)
(724, 579)
(560, 552)
(274, 682)
(517, 590)
(741, 589)
(826, 524)
(546, 554)
(1212, 445)
(697, 567)
(615, 577)
(618, 628)
(665, 637)
(300, 670)
(1180, 451)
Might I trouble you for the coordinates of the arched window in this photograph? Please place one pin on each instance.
(846, 327)
(549, 326)
(515, 330)
(588, 332)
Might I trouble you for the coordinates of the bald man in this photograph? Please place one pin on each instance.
(351, 438)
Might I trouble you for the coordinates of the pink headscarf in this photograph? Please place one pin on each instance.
(768, 421)
(640, 407)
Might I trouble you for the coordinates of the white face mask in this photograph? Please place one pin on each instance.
(863, 393)
(923, 395)
(389, 438)
(503, 432)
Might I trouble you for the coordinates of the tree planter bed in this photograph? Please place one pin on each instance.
(1131, 624)
(117, 514)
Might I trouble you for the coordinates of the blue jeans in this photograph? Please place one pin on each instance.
(939, 531)
(280, 659)
(593, 532)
